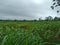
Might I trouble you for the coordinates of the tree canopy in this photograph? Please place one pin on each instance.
(56, 3)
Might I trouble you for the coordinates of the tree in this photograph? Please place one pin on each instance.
(40, 18)
(34, 20)
(49, 18)
(57, 18)
(56, 3)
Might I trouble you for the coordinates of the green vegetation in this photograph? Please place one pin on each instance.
(30, 33)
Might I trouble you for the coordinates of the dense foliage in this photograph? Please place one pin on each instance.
(30, 33)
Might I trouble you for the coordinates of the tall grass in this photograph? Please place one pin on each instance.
(30, 33)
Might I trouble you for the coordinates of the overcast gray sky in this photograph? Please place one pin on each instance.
(25, 9)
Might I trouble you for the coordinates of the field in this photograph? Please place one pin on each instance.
(30, 33)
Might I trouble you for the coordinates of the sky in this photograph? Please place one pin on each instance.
(26, 9)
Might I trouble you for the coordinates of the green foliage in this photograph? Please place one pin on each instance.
(30, 33)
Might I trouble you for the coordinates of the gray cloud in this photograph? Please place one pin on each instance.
(25, 9)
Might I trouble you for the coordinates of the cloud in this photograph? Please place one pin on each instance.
(25, 9)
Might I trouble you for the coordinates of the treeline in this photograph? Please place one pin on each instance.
(49, 18)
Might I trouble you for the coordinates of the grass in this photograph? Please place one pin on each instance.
(30, 33)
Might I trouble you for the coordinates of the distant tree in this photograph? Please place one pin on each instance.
(40, 18)
(34, 20)
(24, 20)
(56, 3)
(57, 18)
(15, 20)
(49, 18)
